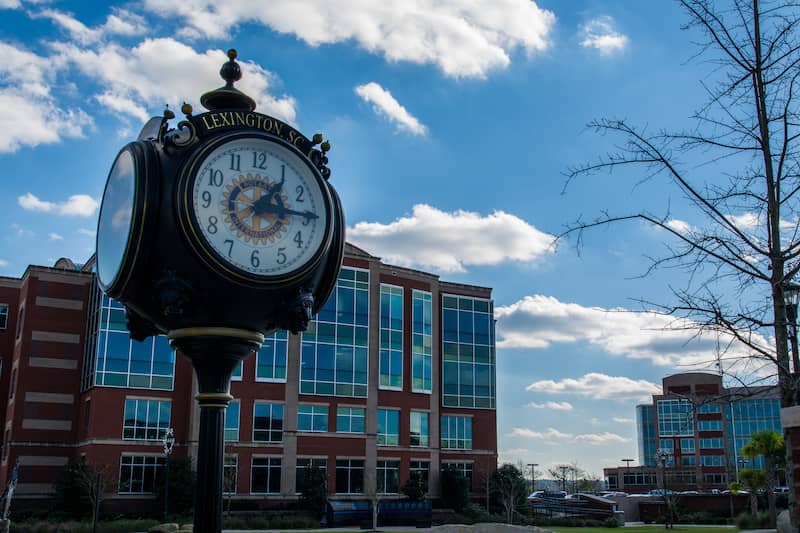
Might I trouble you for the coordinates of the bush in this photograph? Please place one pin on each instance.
(315, 490)
(415, 487)
(748, 521)
(455, 489)
(181, 486)
(117, 526)
(610, 522)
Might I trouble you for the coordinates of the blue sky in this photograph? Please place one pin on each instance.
(451, 125)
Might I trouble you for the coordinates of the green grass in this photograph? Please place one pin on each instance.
(679, 528)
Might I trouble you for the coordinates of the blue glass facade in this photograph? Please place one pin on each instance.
(646, 429)
(421, 341)
(390, 361)
(675, 418)
(745, 417)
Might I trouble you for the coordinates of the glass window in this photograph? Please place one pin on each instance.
(349, 476)
(265, 477)
(418, 429)
(236, 375)
(350, 419)
(712, 460)
(146, 419)
(3, 316)
(307, 462)
(388, 427)
(709, 425)
(456, 432)
(232, 421)
(468, 350)
(271, 358)
(706, 444)
(230, 474)
(421, 341)
(675, 418)
(709, 408)
(268, 422)
(334, 347)
(390, 367)
(312, 418)
(137, 473)
(422, 468)
(123, 362)
(687, 445)
(388, 481)
(464, 468)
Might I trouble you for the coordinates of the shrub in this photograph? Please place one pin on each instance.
(455, 489)
(415, 487)
(315, 490)
(181, 486)
(748, 521)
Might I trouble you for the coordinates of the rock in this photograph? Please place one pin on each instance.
(784, 524)
(487, 528)
(163, 528)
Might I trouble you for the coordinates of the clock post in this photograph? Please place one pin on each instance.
(218, 232)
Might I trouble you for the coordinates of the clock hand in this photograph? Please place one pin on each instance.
(282, 211)
(260, 205)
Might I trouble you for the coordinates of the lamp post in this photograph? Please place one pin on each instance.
(169, 442)
(791, 292)
(740, 462)
(627, 469)
(663, 456)
(533, 476)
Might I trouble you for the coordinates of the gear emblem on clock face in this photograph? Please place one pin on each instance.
(255, 208)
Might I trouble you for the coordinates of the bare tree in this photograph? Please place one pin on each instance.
(508, 483)
(738, 165)
(561, 474)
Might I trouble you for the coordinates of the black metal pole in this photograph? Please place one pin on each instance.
(214, 353)
(97, 491)
(166, 487)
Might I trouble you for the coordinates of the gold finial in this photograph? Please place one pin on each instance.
(232, 54)
(316, 139)
(326, 146)
(186, 109)
(168, 114)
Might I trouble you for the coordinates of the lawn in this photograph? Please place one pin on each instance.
(680, 528)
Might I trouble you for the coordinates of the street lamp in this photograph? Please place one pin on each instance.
(663, 456)
(169, 442)
(533, 476)
(740, 463)
(791, 292)
(627, 469)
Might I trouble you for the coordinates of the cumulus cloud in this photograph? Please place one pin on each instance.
(119, 22)
(555, 406)
(31, 115)
(538, 321)
(383, 103)
(622, 420)
(81, 205)
(462, 39)
(599, 386)
(601, 35)
(681, 226)
(552, 434)
(55, 237)
(160, 71)
(3, 263)
(450, 242)
(9, 4)
(88, 232)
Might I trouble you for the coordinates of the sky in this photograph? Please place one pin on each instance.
(452, 125)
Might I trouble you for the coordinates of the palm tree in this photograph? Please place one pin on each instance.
(770, 445)
(754, 480)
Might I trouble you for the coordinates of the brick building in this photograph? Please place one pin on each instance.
(395, 374)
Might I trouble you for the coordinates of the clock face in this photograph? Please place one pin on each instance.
(260, 207)
(113, 228)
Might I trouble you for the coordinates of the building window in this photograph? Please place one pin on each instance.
(388, 481)
(388, 427)
(709, 425)
(687, 445)
(137, 473)
(712, 460)
(230, 474)
(271, 358)
(422, 468)
(3, 316)
(709, 408)
(390, 367)
(745, 417)
(638, 478)
(710, 444)
(268, 422)
(464, 468)
(456, 432)
(232, 422)
(350, 419)
(146, 419)
(716, 479)
(421, 341)
(675, 418)
(349, 476)
(468, 368)
(122, 362)
(335, 346)
(688, 460)
(306, 463)
(418, 429)
(312, 418)
(611, 480)
(236, 375)
(265, 475)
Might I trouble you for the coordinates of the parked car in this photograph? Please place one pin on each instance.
(781, 490)
(542, 494)
(614, 494)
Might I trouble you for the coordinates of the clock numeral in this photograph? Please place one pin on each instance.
(299, 190)
(281, 256)
(206, 199)
(298, 238)
(229, 242)
(212, 224)
(236, 160)
(254, 260)
(215, 177)
(259, 160)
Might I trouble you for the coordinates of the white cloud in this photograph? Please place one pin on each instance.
(87, 232)
(165, 71)
(76, 205)
(622, 420)
(538, 321)
(555, 406)
(449, 242)
(552, 434)
(601, 35)
(383, 103)
(120, 22)
(599, 386)
(681, 226)
(3, 263)
(463, 39)
(55, 237)
(512, 455)
(9, 4)
(31, 115)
